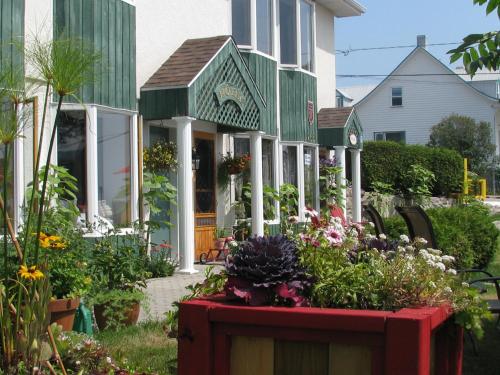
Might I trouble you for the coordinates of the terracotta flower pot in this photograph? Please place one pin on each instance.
(131, 315)
(219, 243)
(62, 312)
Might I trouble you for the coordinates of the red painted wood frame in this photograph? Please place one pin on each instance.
(400, 341)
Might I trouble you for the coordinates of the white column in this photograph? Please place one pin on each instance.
(356, 184)
(185, 194)
(134, 170)
(300, 181)
(92, 173)
(341, 180)
(257, 185)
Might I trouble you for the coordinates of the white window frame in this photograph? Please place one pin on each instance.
(298, 66)
(91, 111)
(396, 96)
(384, 134)
(277, 176)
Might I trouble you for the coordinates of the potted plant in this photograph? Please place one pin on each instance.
(220, 237)
(63, 247)
(229, 166)
(331, 297)
(119, 269)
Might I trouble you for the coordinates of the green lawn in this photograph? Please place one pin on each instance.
(144, 347)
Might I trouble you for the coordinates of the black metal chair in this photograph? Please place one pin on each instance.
(419, 224)
(372, 214)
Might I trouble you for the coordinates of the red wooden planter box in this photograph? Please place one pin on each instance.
(407, 342)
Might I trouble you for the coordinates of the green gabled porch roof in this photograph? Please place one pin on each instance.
(340, 127)
(206, 79)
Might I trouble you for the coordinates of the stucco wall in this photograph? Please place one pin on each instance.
(426, 100)
(325, 57)
(162, 26)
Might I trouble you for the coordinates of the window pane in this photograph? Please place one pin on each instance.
(113, 148)
(309, 177)
(265, 26)
(395, 137)
(71, 151)
(241, 22)
(267, 162)
(397, 96)
(379, 136)
(306, 36)
(288, 32)
(290, 165)
(397, 91)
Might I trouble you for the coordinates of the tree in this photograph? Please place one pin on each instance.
(472, 140)
(480, 51)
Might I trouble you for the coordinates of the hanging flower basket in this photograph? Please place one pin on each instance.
(231, 166)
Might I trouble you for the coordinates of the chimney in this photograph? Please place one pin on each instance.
(421, 42)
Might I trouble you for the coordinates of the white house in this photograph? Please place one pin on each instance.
(214, 76)
(419, 93)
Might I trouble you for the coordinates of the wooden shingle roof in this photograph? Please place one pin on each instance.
(334, 117)
(186, 62)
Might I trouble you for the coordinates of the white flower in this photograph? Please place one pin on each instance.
(382, 236)
(293, 219)
(447, 290)
(434, 251)
(465, 285)
(451, 271)
(421, 240)
(108, 360)
(370, 236)
(78, 363)
(401, 249)
(410, 248)
(432, 284)
(370, 223)
(404, 238)
(233, 243)
(448, 258)
(289, 233)
(311, 212)
(441, 266)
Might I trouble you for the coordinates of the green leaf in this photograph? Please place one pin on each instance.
(473, 53)
(492, 4)
(466, 60)
(492, 46)
(455, 57)
(482, 50)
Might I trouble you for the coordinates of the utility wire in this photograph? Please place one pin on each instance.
(410, 75)
(346, 52)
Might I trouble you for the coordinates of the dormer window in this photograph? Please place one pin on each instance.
(241, 22)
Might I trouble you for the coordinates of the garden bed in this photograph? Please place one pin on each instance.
(238, 340)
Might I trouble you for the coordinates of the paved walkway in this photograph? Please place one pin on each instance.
(163, 292)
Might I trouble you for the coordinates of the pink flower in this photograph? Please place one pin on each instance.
(311, 212)
(333, 236)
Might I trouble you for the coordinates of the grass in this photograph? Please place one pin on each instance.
(486, 361)
(144, 347)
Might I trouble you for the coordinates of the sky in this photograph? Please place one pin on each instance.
(397, 23)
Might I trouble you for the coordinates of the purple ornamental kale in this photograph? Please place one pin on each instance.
(266, 270)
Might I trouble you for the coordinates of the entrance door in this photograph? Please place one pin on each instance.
(204, 193)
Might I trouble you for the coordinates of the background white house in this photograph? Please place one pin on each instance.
(419, 93)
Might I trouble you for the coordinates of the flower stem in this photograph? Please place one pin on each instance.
(45, 177)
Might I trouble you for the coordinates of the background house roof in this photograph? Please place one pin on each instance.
(343, 8)
(186, 62)
(356, 93)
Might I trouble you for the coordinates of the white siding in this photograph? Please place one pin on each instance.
(490, 88)
(426, 100)
(162, 26)
(325, 57)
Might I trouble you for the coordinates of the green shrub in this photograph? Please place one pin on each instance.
(465, 232)
(475, 224)
(386, 162)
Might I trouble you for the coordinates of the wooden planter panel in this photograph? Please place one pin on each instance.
(233, 339)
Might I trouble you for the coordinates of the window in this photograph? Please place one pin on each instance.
(71, 151)
(288, 31)
(397, 96)
(265, 26)
(399, 137)
(306, 36)
(113, 167)
(310, 176)
(241, 22)
(340, 101)
(290, 165)
(267, 163)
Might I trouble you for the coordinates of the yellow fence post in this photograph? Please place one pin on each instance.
(466, 182)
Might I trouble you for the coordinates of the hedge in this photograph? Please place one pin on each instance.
(387, 161)
(466, 232)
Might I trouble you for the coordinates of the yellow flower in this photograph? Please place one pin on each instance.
(51, 242)
(30, 273)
